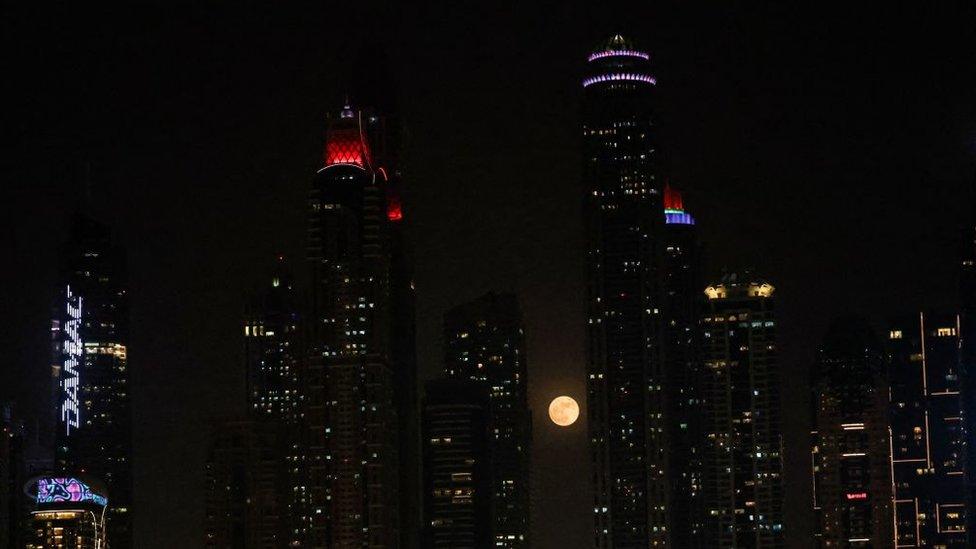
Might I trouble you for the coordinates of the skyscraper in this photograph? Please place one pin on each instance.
(457, 465)
(852, 477)
(12, 476)
(360, 383)
(743, 462)
(248, 489)
(927, 431)
(94, 405)
(624, 217)
(274, 357)
(484, 343)
(682, 307)
(967, 308)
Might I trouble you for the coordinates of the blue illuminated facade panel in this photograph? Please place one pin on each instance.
(927, 430)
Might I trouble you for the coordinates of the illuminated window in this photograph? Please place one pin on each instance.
(894, 334)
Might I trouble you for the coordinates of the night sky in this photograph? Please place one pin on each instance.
(831, 149)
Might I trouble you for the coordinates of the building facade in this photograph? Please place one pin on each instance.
(683, 302)
(927, 431)
(967, 308)
(93, 400)
(70, 514)
(361, 382)
(274, 359)
(485, 343)
(248, 491)
(743, 463)
(12, 476)
(623, 215)
(458, 487)
(851, 472)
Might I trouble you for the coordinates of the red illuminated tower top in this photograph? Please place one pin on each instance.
(674, 210)
(345, 141)
(348, 143)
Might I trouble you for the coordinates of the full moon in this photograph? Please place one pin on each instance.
(563, 411)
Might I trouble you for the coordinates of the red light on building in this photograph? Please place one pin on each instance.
(346, 146)
(393, 210)
(672, 199)
(857, 495)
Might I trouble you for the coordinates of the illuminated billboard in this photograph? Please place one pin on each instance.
(72, 351)
(67, 490)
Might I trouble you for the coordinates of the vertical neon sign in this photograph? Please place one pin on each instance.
(72, 351)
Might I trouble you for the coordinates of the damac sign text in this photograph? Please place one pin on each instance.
(70, 374)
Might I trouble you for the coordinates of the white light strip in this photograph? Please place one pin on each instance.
(73, 352)
(618, 53)
(619, 76)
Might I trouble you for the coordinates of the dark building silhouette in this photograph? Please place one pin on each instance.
(682, 305)
(247, 489)
(743, 464)
(624, 217)
(93, 401)
(256, 467)
(851, 470)
(967, 308)
(13, 470)
(484, 343)
(274, 359)
(361, 377)
(457, 483)
(927, 431)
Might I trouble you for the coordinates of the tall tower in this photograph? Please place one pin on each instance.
(852, 479)
(927, 432)
(248, 487)
(485, 344)
(94, 406)
(361, 388)
(13, 470)
(682, 307)
(274, 356)
(623, 223)
(743, 472)
(457, 468)
(967, 308)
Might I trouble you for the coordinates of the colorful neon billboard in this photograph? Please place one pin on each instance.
(72, 351)
(67, 489)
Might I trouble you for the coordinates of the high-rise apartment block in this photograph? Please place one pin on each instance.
(484, 343)
(93, 400)
(927, 431)
(457, 483)
(682, 305)
(851, 473)
(743, 459)
(624, 219)
(360, 380)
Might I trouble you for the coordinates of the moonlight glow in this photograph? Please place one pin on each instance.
(563, 411)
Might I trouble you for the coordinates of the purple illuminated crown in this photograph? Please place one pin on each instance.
(618, 61)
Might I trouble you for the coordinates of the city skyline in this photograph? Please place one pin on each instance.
(196, 248)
